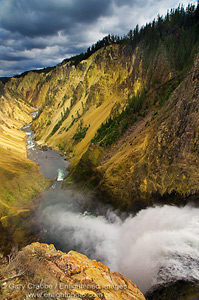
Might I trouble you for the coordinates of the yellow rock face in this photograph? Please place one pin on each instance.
(53, 274)
(97, 87)
(92, 91)
(148, 161)
(20, 179)
(14, 114)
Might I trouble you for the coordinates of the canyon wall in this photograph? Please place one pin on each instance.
(150, 152)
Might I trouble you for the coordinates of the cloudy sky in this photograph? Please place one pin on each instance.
(40, 33)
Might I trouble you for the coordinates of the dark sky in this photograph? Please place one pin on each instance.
(40, 33)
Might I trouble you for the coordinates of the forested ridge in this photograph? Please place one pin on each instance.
(178, 30)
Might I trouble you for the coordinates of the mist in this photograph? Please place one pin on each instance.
(157, 246)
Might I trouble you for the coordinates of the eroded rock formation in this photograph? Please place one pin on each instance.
(40, 270)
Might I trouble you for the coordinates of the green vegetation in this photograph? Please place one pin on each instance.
(44, 70)
(64, 115)
(110, 131)
(115, 127)
(165, 91)
(63, 100)
(107, 40)
(178, 31)
(73, 101)
(80, 132)
(4, 79)
(61, 148)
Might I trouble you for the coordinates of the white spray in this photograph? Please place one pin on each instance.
(157, 246)
(60, 174)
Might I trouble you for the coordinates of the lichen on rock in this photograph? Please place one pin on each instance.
(40, 271)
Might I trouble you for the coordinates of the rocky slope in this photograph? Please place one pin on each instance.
(20, 178)
(155, 156)
(75, 100)
(90, 92)
(40, 270)
(157, 160)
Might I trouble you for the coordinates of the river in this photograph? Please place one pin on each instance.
(157, 246)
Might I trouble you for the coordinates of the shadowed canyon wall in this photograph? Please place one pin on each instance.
(151, 153)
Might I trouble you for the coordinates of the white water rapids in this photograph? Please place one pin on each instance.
(60, 175)
(157, 246)
(51, 162)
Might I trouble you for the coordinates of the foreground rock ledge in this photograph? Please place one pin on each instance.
(39, 271)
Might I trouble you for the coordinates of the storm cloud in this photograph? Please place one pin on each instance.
(41, 33)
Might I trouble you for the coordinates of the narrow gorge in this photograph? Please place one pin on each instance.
(99, 155)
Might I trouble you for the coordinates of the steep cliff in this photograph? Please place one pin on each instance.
(157, 160)
(39, 271)
(86, 95)
(20, 178)
(124, 112)
(139, 156)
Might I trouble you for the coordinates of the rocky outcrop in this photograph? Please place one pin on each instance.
(90, 92)
(155, 158)
(160, 162)
(40, 271)
(20, 178)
